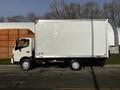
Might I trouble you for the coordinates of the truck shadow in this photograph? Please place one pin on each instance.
(96, 84)
(55, 65)
(59, 65)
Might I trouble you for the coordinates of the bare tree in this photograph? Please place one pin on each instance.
(31, 16)
(112, 11)
(72, 11)
(2, 19)
(61, 10)
(54, 11)
(18, 18)
(91, 10)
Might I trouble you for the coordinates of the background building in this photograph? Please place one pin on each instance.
(9, 32)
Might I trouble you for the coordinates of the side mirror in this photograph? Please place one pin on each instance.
(20, 49)
(16, 44)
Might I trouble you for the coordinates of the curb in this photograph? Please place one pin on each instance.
(118, 65)
(12, 65)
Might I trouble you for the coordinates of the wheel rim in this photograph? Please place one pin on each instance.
(75, 65)
(25, 65)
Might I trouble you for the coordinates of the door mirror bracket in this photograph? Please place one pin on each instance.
(20, 50)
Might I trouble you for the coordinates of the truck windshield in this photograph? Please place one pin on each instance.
(22, 44)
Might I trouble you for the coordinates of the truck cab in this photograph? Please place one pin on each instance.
(22, 51)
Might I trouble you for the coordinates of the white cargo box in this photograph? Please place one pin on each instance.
(72, 38)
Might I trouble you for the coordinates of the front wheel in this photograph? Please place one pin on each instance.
(75, 65)
(26, 64)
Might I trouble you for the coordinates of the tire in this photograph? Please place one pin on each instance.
(26, 64)
(75, 65)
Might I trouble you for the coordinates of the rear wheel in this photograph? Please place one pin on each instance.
(26, 64)
(75, 65)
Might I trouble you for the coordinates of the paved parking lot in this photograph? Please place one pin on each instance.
(56, 78)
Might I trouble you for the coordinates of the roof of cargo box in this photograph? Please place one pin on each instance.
(40, 20)
(18, 25)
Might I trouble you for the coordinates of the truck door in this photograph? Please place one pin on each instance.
(22, 49)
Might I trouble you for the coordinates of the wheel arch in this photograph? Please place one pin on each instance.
(23, 58)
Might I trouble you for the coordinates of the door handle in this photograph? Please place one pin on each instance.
(27, 51)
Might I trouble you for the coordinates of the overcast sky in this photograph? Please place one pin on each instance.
(22, 7)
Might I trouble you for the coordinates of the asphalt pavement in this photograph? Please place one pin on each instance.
(59, 78)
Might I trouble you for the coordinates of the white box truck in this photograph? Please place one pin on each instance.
(74, 42)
